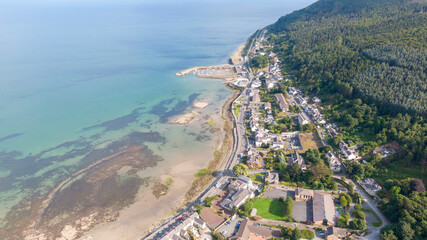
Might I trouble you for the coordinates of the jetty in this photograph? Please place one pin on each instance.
(225, 71)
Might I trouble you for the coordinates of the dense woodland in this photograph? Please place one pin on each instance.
(367, 60)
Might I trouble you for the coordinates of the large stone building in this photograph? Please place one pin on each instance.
(323, 209)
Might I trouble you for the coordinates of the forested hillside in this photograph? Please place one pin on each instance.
(367, 60)
(372, 50)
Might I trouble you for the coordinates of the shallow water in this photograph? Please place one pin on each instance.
(75, 77)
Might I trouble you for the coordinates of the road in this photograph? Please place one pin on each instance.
(240, 142)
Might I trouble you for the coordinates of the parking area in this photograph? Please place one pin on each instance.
(278, 193)
(230, 227)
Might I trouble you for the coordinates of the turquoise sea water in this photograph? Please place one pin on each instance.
(76, 75)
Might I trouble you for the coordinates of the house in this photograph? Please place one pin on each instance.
(248, 230)
(292, 91)
(346, 151)
(300, 100)
(323, 209)
(254, 159)
(370, 185)
(272, 177)
(279, 144)
(237, 199)
(281, 101)
(256, 98)
(256, 84)
(260, 141)
(382, 151)
(302, 119)
(297, 159)
(303, 194)
(181, 231)
(240, 190)
(334, 162)
(267, 106)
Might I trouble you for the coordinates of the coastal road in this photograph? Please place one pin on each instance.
(240, 142)
(232, 158)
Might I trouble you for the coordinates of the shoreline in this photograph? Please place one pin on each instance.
(220, 154)
(173, 201)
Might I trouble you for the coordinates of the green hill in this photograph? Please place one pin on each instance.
(367, 59)
(327, 45)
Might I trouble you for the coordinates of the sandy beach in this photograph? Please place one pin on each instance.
(198, 104)
(147, 211)
(239, 51)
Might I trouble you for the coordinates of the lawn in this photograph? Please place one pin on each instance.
(236, 109)
(270, 208)
(311, 140)
(257, 178)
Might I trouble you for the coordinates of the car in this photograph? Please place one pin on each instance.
(227, 224)
(224, 232)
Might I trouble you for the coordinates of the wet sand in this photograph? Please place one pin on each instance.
(136, 220)
(239, 51)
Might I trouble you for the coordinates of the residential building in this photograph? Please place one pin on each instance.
(267, 106)
(181, 231)
(240, 191)
(347, 152)
(292, 91)
(297, 159)
(334, 162)
(281, 101)
(248, 230)
(316, 100)
(302, 119)
(370, 185)
(272, 177)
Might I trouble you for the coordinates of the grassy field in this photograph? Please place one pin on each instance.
(236, 109)
(257, 178)
(270, 208)
(398, 170)
(310, 141)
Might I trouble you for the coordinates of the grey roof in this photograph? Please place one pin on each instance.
(323, 208)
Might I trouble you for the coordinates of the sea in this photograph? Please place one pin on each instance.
(77, 76)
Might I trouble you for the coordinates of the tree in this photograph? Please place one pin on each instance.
(319, 171)
(289, 205)
(247, 206)
(417, 185)
(343, 201)
(296, 234)
(233, 210)
(358, 224)
(241, 169)
(347, 197)
(334, 186)
(358, 213)
(199, 208)
(395, 190)
(404, 231)
(388, 235)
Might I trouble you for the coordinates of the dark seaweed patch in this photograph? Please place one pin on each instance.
(10, 136)
(161, 109)
(118, 123)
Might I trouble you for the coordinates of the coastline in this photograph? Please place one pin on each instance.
(145, 210)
